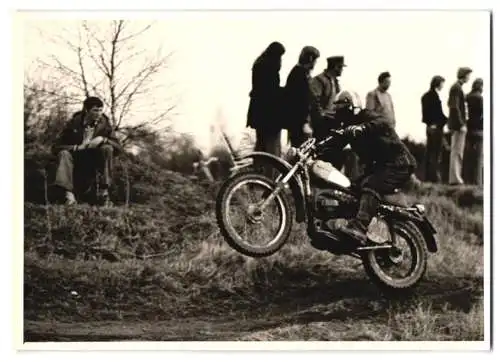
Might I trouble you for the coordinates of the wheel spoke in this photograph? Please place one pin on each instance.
(249, 225)
(393, 264)
(402, 265)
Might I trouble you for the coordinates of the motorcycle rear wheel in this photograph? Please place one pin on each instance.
(375, 260)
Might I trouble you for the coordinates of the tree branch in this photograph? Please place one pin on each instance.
(135, 35)
(112, 81)
(105, 58)
(80, 63)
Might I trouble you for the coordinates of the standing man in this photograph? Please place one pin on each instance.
(473, 157)
(434, 118)
(265, 108)
(379, 100)
(325, 86)
(457, 125)
(299, 97)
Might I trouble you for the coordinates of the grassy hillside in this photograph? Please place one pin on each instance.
(160, 270)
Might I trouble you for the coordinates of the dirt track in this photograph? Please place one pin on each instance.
(206, 291)
(341, 309)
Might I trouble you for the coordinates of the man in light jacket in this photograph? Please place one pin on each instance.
(457, 125)
(379, 100)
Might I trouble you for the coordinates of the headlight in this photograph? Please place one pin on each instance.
(292, 154)
(293, 151)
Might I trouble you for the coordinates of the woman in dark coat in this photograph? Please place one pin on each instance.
(264, 111)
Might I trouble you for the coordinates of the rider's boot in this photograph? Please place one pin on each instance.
(357, 228)
(70, 198)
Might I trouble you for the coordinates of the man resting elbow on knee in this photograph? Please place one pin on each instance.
(87, 143)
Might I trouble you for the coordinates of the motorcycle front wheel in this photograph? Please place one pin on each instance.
(243, 225)
(402, 267)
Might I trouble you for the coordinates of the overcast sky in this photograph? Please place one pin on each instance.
(211, 69)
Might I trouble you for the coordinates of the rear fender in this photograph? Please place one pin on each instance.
(429, 233)
(421, 221)
(283, 167)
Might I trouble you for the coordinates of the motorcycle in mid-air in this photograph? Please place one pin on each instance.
(315, 193)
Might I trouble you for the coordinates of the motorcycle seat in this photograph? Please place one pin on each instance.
(393, 197)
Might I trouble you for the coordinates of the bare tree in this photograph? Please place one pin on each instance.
(110, 60)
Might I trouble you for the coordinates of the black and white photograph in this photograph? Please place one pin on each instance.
(256, 176)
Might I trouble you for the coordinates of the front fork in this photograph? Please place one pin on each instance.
(279, 187)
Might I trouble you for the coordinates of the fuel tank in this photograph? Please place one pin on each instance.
(329, 174)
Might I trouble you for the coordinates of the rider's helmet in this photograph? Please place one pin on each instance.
(347, 104)
(348, 99)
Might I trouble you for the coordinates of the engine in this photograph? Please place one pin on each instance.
(334, 204)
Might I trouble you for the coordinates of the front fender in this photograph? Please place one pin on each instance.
(283, 167)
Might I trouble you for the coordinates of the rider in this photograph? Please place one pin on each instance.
(388, 162)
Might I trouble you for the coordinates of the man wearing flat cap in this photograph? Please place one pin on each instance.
(325, 86)
(457, 125)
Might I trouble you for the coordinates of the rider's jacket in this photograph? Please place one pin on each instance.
(378, 144)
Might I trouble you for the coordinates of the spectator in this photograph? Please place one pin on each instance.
(457, 126)
(325, 86)
(299, 97)
(473, 154)
(87, 144)
(379, 100)
(264, 111)
(434, 118)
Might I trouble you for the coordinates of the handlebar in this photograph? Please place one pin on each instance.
(335, 132)
(339, 132)
(312, 144)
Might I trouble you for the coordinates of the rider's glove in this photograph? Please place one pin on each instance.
(307, 130)
(353, 131)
